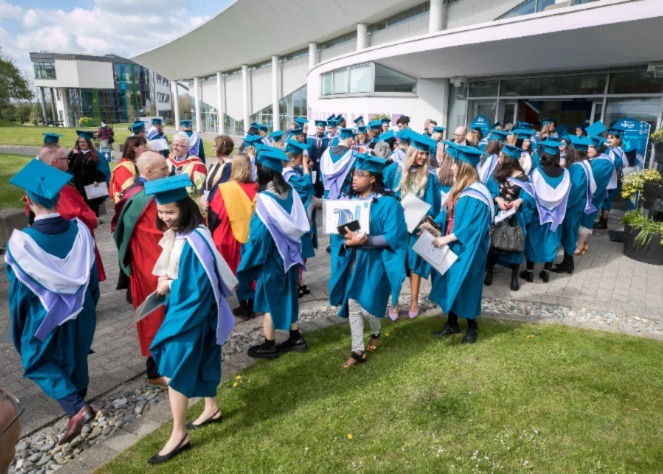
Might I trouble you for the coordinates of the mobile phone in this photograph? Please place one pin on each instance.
(352, 225)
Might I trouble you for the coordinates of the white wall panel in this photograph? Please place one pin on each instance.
(208, 93)
(95, 75)
(293, 75)
(414, 26)
(233, 91)
(260, 81)
(339, 49)
(469, 12)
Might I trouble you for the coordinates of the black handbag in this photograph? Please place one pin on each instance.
(508, 236)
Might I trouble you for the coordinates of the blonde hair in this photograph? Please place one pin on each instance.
(251, 151)
(241, 168)
(437, 136)
(467, 175)
(413, 182)
(444, 173)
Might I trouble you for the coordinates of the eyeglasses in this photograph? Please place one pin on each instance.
(17, 404)
(179, 145)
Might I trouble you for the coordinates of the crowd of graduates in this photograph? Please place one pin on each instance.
(190, 231)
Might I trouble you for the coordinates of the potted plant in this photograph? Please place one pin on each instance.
(657, 140)
(643, 238)
(647, 184)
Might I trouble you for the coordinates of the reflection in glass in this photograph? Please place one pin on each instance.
(635, 82)
(340, 79)
(360, 79)
(388, 80)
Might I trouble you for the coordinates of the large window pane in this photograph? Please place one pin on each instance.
(327, 84)
(360, 79)
(457, 105)
(388, 80)
(483, 88)
(645, 109)
(591, 84)
(341, 81)
(635, 82)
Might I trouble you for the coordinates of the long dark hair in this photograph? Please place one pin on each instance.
(493, 148)
(130, 144)
(573, 156)
(506, 169)
(190, 217)
(267, 175)
(549, 160)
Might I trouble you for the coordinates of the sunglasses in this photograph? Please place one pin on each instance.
(19, 409)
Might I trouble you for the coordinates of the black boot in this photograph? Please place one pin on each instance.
(566, 266)
(488, 279)
(245, 310)
(601, 224)
(527, 275)
(450, 327)
(266, 350)
(294, 343)
(493, 257)
(472, 332)
(545, 275)
(515, 284)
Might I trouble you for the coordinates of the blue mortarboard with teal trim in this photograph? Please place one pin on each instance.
(272, 158)
(616, 129)
(525, 125)
(596, 140)
(580, 143)
(185, 123)
(477, 127)
(550, 146)
(88, 135)
(469, 154)
(385, 120)
(301, 121)
(375, 124)
(438, 129)
(252, 139)
(254, 124)
(169, 189)
(296, 131)
(421, 142)
(261, 147)
(331, 117)
(295, 147)
(276, 135)
(596, 129)
(370, 163)
(359, 120)
(339, 118)
(51, 138)
(135, 127)
(499, 135)
(451, 148)
(41, 182)
(262, 127)
(346, 133)
(388, 136)
(157, 121)
(512, 151)
(404, 135)
(547, 120)
(523, 133)
(332, 123)
(320, 123)
(362, 129)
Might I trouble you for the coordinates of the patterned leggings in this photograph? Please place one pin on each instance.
(357, 316)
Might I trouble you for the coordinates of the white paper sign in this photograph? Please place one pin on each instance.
(415, 210)
(97, 190)
(440, 258)
(504, 215)
(336, 212)
(159, 144)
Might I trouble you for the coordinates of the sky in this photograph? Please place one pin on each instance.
(121, 27)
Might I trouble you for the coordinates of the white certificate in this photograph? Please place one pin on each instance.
(415, 210)
(504, 215)
(159, 144)
(96, 190)
(440, 258)
(337, 212)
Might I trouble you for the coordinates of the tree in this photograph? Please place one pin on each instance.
(185, 104)
(14, 87)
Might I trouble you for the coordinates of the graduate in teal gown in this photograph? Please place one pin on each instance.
(583, 186)
(335, 165)
(507, 198)
(619, 160)
(603, 170)
(53, 294)
(298, 175)
(366, 269)
(195, 280)
(465, 220)
(544, 202)
(415, 176)
(272, 255)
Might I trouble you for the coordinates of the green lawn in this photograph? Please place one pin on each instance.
(525, 397)
(10, 195)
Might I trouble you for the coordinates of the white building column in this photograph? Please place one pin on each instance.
(437, 18)
(53, 106)
(220, 103)
(245, 96)
(196, 103)
(65, 109)
(312, 55)
(276, 73)
(362, 36)
(43, 103)
(176, 104)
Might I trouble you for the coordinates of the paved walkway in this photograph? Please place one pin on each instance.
(604, 280)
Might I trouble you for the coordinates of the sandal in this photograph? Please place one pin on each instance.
(373, 342)
(355, 358)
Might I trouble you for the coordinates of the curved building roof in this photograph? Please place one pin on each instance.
(251, 31)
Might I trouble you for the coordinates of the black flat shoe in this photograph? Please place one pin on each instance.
(545, 276)
(470, 337)
(562, 268)
(263, 352)
(527, 275)
(156, 459)
(515, 284)
(190, 426)
(447, 330)
(297, 345)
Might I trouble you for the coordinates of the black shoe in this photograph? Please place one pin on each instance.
(190, 426)
(527, 275)
(601, 224)
(245, 310)
(562, 268)
(261, 351)
(488, 279)
(447, 330)
(515, 284)
(545, 276)
(328, 249)
(292, 344)
(156, 459)
(470, 336)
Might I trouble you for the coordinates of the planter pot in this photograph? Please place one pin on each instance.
(658, 152)
(652, 253)
(650, 193)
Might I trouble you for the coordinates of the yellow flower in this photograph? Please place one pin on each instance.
(238, 377)
(386, 334)
(349, 435)
(530, 336)
(235, 385)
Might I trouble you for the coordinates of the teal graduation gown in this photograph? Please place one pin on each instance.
(371, 275)
(276, 290)
(575, 208)
(58, 365)
(507, 259)
(432, 196)
(184, 348)
(303, 184)
(602, 169)
(459, 290)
